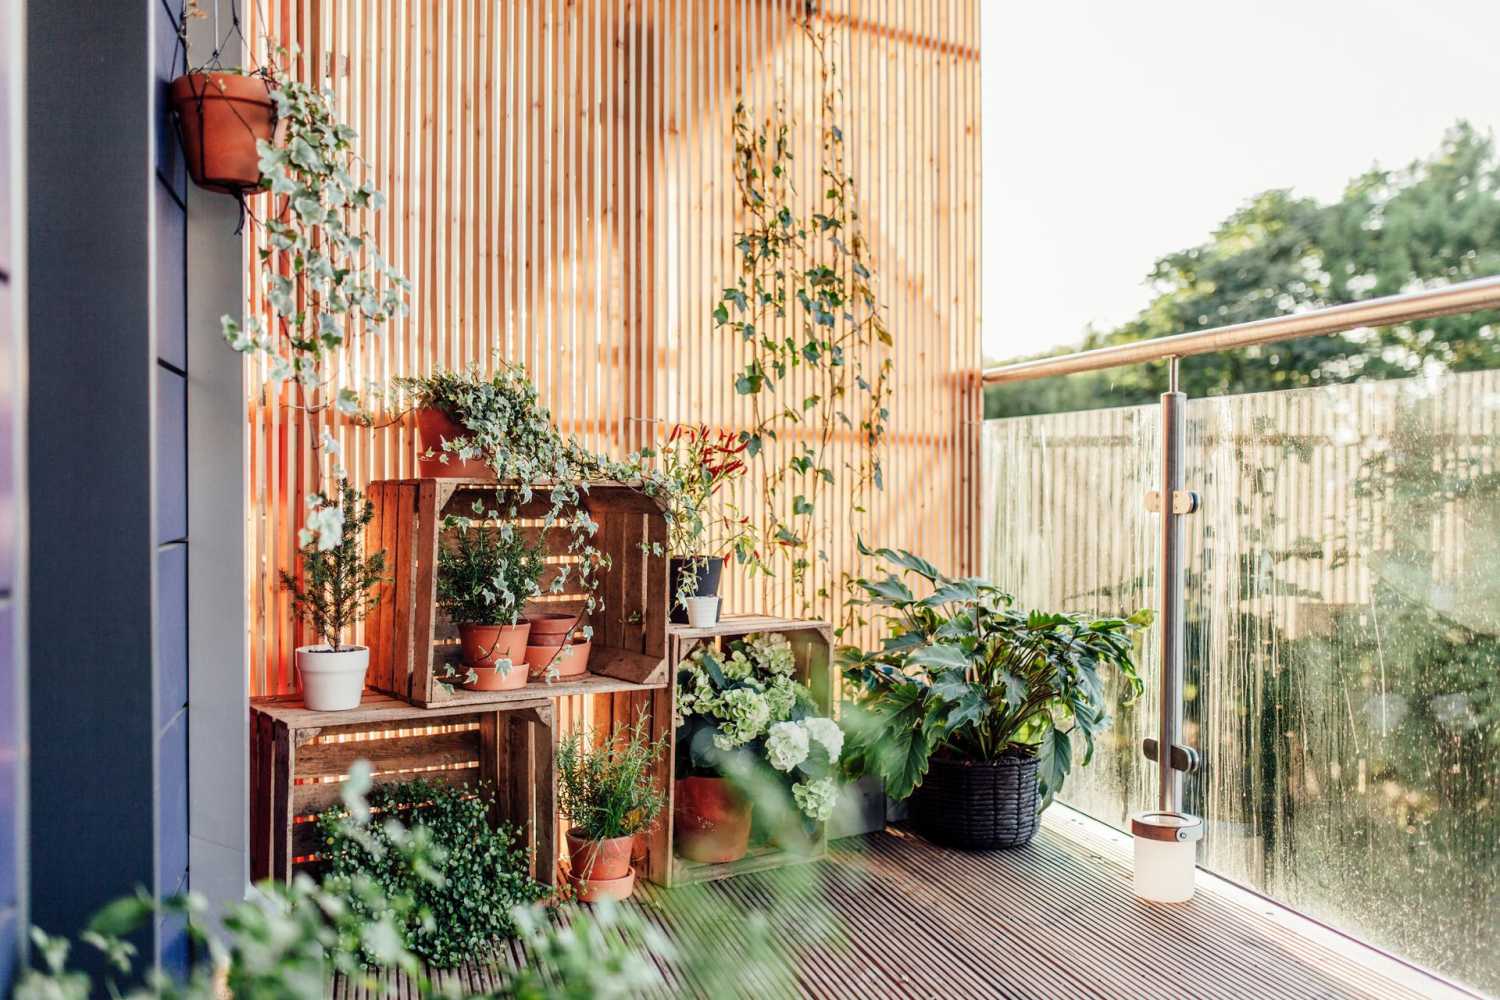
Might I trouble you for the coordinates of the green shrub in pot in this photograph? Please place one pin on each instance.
(973, 705)
(486, 574)
(609, 793)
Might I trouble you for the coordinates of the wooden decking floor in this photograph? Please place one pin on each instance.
(1054, 920)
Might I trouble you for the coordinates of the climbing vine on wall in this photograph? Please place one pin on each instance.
(803, 300)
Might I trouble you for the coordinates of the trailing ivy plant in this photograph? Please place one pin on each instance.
(321, 275)
(803, 302)
(482, 873)
(962, 672)
(338, 584)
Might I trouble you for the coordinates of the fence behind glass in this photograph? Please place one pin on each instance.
(1343, 649)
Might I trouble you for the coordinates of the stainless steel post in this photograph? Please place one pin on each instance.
(1170, 582)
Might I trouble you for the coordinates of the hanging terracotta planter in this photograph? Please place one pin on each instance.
(710, 821)
(484, 646)
(221, 116)
(434, 426)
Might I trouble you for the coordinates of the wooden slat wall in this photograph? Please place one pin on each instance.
(560, 192)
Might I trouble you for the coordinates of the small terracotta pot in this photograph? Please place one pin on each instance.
(548, 628)
(434, 427)
(599, 860)
(594, 890)
(572, 660)
(638, 849)
(486, 645)
(222, 115)
(710, 820)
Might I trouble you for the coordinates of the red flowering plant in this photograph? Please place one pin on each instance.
(694, 465)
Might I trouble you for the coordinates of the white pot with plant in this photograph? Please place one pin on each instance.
(486, 574)
(336, 590)
(695, 464)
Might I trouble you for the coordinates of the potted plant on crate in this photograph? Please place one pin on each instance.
(333, 594)
(609, 793)
(695, 466)
(973, 708)
(486, 573)
(748, 736)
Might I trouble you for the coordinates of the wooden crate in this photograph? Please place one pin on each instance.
(410, 642)
(299, 760)
(812, 645)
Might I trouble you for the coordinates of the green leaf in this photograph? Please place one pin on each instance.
(890, 591)
(940, 657)
(1056, 752)
(800, 505)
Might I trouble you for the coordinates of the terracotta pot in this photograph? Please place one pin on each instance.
(434, 427)
(572, 660)
(486, 645)
(594, 890)
(548, 628)
(221, 116)
(638, 849)
(710, 820)
(599, 860)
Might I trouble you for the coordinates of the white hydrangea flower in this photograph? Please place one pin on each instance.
(816, 799)
(786, 745)
(745, 714)
(827, 734)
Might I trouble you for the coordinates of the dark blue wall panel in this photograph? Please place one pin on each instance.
(171, 634)
(171, 455)
(172, 806)
(171, 286)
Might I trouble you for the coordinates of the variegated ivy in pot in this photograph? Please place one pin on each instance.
(322, 279)
(496, 424)
(974, 708)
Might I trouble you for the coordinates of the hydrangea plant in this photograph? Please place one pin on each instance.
(743, 706)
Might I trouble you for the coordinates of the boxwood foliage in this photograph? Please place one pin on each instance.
(480, 873)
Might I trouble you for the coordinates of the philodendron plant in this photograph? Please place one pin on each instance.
(962, 671)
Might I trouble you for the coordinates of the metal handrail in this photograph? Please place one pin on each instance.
(1469, 296)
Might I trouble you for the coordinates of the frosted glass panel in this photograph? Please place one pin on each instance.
(1067, 530)
(1343, 649)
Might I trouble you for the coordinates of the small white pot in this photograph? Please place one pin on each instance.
(332, 680)
(703, 612)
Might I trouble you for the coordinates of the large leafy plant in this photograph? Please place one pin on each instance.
(962, 672)
(338, 583)
(609, 790)
(743, 715)
(483, 873)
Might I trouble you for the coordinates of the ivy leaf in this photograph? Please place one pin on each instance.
(800, 505)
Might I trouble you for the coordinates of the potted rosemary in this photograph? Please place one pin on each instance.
(486, 573)
(334, 593)
(974, 709)
(609, 794)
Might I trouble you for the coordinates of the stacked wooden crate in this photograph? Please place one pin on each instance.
(812, 647)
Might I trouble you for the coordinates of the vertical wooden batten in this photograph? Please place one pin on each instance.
(560, 192)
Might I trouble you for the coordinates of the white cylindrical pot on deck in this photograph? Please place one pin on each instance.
(1166, 855)
(332, 680)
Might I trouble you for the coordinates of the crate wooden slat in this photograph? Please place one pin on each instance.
(411, 644)
(812, 646)
(300, 759)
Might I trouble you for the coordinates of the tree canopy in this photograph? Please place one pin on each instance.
(1428, 224)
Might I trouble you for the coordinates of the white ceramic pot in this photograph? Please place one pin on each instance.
(332, 680)
(703, 612)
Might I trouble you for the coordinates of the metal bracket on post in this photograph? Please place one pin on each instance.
(1183, 502)
(1184, 759)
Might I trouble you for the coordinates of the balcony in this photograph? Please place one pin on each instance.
(901, 917)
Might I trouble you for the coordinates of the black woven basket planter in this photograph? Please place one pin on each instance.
(978, 804)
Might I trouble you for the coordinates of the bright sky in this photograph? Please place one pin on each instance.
(1115, 132)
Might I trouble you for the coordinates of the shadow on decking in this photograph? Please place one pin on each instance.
(1054, 920)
